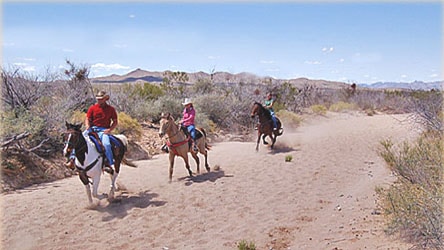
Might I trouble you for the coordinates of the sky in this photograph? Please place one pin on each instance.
(352, 42)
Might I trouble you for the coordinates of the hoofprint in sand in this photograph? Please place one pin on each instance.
(324, 198)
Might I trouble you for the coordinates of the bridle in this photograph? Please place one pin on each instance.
(166, 129)
(73, 145)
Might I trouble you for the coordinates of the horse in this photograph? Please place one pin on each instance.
(179, 144)
(89, 161)
(265, 125)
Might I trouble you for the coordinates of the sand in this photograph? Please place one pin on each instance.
(324, 198)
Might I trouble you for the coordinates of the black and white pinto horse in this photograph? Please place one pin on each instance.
(89, 161)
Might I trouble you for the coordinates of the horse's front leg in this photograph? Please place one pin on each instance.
(171, 166)
(88, 193)
(258, 140)
(187, 164)
(96, 181)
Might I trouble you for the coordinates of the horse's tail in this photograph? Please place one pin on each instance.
(124, 141)
(207, 146)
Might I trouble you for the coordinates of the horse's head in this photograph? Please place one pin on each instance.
(166, 123)
(71, 137)
(255, 109)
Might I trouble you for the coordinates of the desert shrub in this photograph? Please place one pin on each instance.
(77, 117)
(342, 106)
(413, 205)
(128, 126)
(288, 118)
(288, 158)
(17, 122)
(245, 245)
(318, 109)
(427, 109)
(164, 104)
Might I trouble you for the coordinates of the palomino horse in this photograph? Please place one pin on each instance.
(89, 161)
(265, 125)
(179, 144)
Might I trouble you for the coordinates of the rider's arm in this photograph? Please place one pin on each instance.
(271, 104)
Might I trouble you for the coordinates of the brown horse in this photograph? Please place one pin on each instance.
(179, 144)
(265, 125)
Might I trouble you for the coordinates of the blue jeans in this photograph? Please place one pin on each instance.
(106, 143)
(192, 130)
(273, 118)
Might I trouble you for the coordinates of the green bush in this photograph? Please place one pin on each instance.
(245, 245)
(128, 126)
(289, 118)
(14, 123)
(318, 109)
(413, 205)
(342, 106)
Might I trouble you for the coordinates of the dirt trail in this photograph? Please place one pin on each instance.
(323, 199)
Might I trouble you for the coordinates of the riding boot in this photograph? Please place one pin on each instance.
(70, 164)
(164, 148)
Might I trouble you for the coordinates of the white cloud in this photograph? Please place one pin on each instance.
(312, 62)
(108, 67)
(25, 67)
(433, 76)
(213, 57)
(8, 44)
(132, 16)
(403, 76)
(68, 50)
(328, 50)
(341, 60)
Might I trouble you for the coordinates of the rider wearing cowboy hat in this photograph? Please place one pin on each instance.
(189, 113)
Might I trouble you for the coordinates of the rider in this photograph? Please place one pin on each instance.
(269, 105)
(189, 113)
(102, 119)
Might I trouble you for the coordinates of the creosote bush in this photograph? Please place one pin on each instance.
(342, 106)
(318, 109)
(413, 205)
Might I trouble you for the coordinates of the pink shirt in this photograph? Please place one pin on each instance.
(188, 116)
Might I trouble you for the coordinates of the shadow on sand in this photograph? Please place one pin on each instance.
(121, 204)
(209, 176)
(279, 148)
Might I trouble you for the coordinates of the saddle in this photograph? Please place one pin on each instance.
(116, 144)
(185, 131)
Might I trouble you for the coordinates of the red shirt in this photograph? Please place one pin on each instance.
(101, 116)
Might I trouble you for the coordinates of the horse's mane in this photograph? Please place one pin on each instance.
(264, 110)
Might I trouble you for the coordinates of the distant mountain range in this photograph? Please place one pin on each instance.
(405, 85)
(140, 75)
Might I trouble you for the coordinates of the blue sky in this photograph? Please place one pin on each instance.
(340, 41)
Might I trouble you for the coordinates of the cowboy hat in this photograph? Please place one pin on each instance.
(102, 95)
(187, 101)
